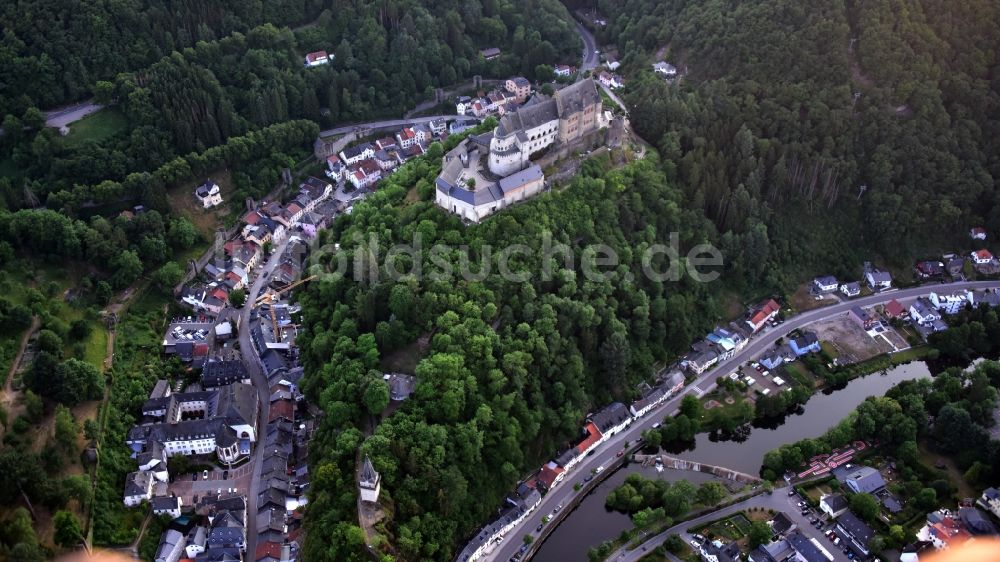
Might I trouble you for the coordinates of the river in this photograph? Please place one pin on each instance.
(591, 523)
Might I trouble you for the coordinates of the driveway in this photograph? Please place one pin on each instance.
(65, 115)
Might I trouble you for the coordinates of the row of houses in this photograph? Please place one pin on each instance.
(599, 427)
(513, 93)
(214, 532)
(364, 164)
(717, 346)
(270, 223)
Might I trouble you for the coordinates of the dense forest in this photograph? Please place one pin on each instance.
(511, 368)
(819, 135)
(213, 80)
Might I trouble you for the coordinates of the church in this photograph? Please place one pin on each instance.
(488, 172)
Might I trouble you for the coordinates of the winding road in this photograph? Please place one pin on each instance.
(563, 492)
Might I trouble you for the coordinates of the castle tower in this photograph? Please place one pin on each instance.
(369, 482)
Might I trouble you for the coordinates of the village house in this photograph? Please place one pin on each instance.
(354, 154)
(365, 174)
(520, 87)
(878, 280)
(612, 81)
(166, 505)
(611, 419)
(856, 531)
(833, 505)
(977, 233)
(463, 104)
(804, 344)
(951, 303)
(991, 500)
(701, 361)
(564, 70)
(209, 194)
(851, 289)
(860, 479)
(895, 310)
(762, 314)
(863, 317)
(665, 69)
(824, 285)
(982, 257)
(138, 488)
(924, 313)
(490, 53)
(406, 138)
(171, 546)
(317, 58)
(928, 269)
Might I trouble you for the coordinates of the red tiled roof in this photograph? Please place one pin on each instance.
(548, 474)
(252, 218)
(281, 409)
(894, 309)
(984, 254)
(333, 159)
(316, 55)
(220, 293)
(269, 548)
(593, 436)
(406, 133)
(200, 349)
(233, 276)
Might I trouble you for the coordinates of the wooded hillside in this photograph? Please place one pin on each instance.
(789, 108)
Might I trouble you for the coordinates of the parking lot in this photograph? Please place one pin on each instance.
(759, 379)
(187, 486)
(815, 524)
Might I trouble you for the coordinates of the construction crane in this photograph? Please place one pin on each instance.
(272, 296)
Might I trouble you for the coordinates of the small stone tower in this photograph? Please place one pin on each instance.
(369, 482)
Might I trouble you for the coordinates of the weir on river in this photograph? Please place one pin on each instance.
(681, 464)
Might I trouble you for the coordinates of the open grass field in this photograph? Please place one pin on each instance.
(97, 127)
(206, 221)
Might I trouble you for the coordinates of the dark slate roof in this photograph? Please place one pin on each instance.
(806, 339)
(866, 478)
(805, 548)
(165, 502)
(613, 415)
(483, 195)
(781, 524)
(356, 150)
(369, 477)
(220, 373)
(529, 117)
(238, 403)
(836, 502)
(856, 527)
(137, 483)
(976, 522)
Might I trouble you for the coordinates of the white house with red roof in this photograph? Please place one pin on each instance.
(977, 233)
(762, 314)
(317, 58)
(406, 137)
(982, 257)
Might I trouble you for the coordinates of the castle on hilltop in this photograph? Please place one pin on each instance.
(488, 172)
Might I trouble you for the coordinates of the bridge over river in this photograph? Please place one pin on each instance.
(681, 464)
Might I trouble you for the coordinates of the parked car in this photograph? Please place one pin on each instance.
(791, 492)
(204, 475)
(538, 529)
(620, 453)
